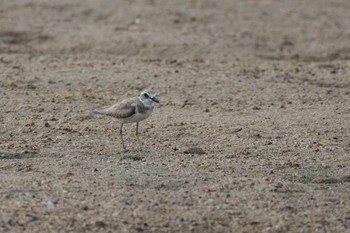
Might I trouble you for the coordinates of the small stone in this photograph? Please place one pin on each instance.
(195, 150)
(101, 224)
(139, 229)
(137, 21)
(52, 203)
(331, 180)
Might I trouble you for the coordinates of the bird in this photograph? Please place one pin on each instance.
(131, 110)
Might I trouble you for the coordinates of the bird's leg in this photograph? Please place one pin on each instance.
(137, 135)
(137, 128)
(121, 129)
(121, 135)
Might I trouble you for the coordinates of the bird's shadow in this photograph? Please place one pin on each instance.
(131, 154)
(132, 157)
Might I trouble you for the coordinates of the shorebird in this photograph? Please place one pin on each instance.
(131, 110)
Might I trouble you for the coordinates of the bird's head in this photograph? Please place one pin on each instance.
(148, 96)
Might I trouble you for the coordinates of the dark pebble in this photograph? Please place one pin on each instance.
(195, 150)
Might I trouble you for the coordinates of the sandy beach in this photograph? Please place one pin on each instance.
(252, 132)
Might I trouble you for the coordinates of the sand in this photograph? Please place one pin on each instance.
(251, 134)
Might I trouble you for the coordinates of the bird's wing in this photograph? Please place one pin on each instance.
(123, 109)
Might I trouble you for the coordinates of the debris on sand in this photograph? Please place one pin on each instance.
(195, 150)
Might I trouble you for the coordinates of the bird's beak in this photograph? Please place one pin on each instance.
(155, 99)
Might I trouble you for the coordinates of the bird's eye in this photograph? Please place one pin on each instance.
(145, 95)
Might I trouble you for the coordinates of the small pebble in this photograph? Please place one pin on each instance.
(52, 203)
(195, 150)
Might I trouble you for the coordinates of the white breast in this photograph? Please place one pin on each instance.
(138, 116)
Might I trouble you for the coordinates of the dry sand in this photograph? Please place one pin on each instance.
(261, 86)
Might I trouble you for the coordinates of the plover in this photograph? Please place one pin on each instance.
(131, 110)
